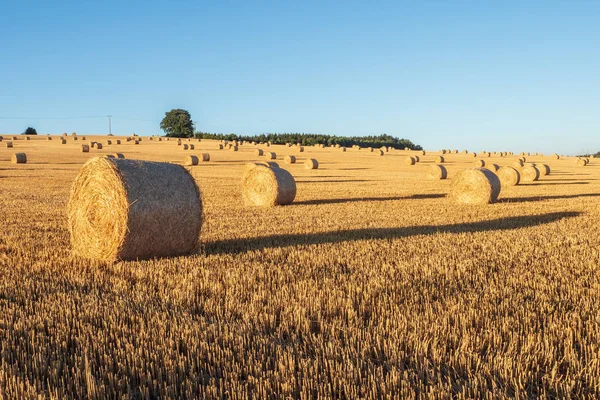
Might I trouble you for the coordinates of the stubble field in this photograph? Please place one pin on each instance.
(371, 284)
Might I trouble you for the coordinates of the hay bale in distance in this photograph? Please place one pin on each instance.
(479, 163)
(544, 169)
(233, 148)
(475, 186)
(85, 148)
(190, 160)
(128, 210)
(219, 147)
(439, 160)
(508, 176)
(311, 163)
(493, 167)
(19, 158)
(301, 149)
(289, 159)
(192, 147)
(410, 160)
(437, 172)
(530, 173)
(379, 152)
(63, 141)
(118, 155)
(270, 155)
(117, 141)
(205, 157)
(518, 163)
(185, 146)
(109, 142)
(556, 156)
(99, 146)
(258, 152)
(416, 157)
(9, 145)
(581, 162)
(263, 186)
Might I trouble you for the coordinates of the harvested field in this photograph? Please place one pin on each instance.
(371, 284)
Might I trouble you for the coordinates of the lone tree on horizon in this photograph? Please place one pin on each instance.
(30, 131)
(178, 123)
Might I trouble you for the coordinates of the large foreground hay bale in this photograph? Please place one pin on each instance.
(264, 186)
(530, 173)
(475, 186)
(19, 158)
(436, 172)
(311, 163)
(190, 160)
(129, 209)
(410, 160)
(508, 176)
(85, 148)
(289, 159)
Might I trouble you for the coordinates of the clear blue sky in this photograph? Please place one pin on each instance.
(477, 75)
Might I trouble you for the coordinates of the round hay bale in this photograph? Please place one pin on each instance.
(192, 147)
(439, 160)
(85, 148)
(190, 160)
(63, 141)
(437, 172)
(233, 148)
(1, 138)
(99, 146)
(289, 159)
(473, 154)
(14, 138)
(581, 162)
(443, 151)
(385, 149)
(258, 152)
(410, 160)
(556, 156)
(475, 186)
(494, 167)
(205, 157)
(74, 134)
(268, 187)
(109, 142)
(19, 158)
(544, 169)
(118, 142)
(129, 209)
(406, 149)
(9, 145)
(508, 176)
(48, 137)
(529, 173)
(27, 138)
(423, 152)
(118, 155)
(136, 141)
(479, 163)
(311, 163)
(518, 164)
(301, 149)
(270, 155)
(342, 149)
(370, 149)
(178, 142)
(416, 157)
(465, 152)
(219, 147)
(379, 152)
(93, 145)
(454, 151)
(185, 146)
(268, 144)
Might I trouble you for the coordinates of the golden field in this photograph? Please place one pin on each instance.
(371, 284)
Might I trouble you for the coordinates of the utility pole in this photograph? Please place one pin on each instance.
(109, 126)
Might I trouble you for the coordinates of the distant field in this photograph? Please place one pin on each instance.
(371, 284)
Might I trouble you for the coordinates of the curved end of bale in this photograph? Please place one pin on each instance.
(85, 148)
(439, 160)
(410, 161)
(127, 209)
(268, 187)
(530, 173)
(19, 158)
(475, 186)
(508, 176)
(191, 160)
(479, 163)
(289, 159)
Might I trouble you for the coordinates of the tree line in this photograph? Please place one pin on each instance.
(309, 139)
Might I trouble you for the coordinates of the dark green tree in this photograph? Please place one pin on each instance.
(30, 131)
(178, 123)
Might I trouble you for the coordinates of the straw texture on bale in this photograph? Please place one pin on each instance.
(436, 172)
(270, 164)
(581, 162)
(258, 152)
(9, 144)
(518, 164)
(85, 148)
(205, 157)
(270, 155)
(263, 186)
(128, 209)
(410, 160)
(191, 160)
(508, 176)
(530, 173)
(289, 159)
(475, 186)
(479, 163)
(311, 163)
(439, 160)
(19, 158)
